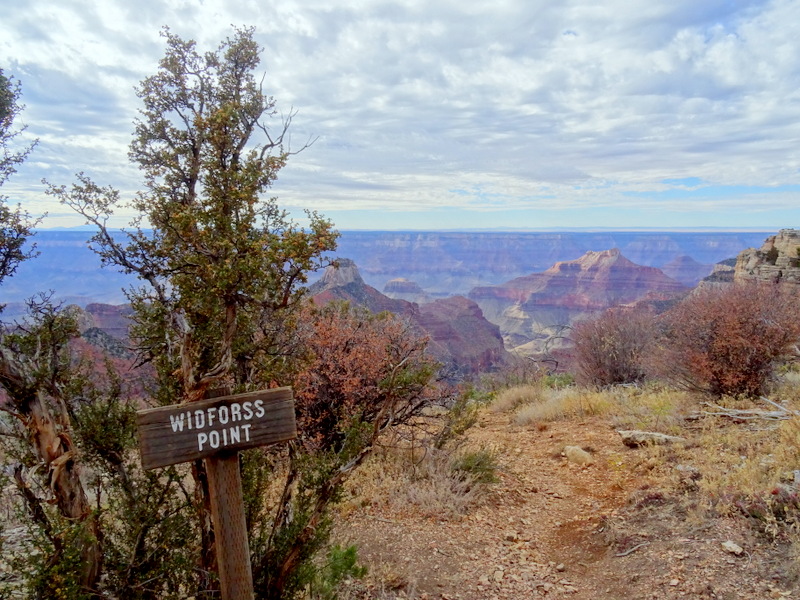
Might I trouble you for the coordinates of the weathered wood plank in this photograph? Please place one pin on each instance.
(184, 432)
(230, 527)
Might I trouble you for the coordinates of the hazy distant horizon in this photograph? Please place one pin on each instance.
(697, 229)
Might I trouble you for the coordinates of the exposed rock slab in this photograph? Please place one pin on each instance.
(634, 438)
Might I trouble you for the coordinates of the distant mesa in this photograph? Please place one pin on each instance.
(687, 270)
(532, 308)
(403, 289)
(461, 338)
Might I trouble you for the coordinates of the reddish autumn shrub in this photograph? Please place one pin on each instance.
(728, 340)
(364, 370)
(613, 347)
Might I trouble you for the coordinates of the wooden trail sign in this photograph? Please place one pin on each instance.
(216, 429)
(184, 432)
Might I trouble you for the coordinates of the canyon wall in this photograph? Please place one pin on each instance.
(776, 260)
(441, 263)
(531, 310)
(451, 263)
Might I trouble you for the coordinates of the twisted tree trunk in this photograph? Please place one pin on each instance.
(47, 424)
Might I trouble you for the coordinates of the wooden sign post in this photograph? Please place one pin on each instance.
(216, 429)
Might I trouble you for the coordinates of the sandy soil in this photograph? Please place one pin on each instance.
(551, 528)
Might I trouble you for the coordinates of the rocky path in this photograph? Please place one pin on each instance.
(553, 528)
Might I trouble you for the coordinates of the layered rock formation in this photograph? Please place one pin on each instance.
(461, 338)
(113, 319)
(722, 275)
(531, 309)
(403, 289)
(447, 263)
(104, 327)
(345, 283)
(687, 270)
(777, 260)
(443, 263)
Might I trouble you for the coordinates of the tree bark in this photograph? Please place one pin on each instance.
(53, 446)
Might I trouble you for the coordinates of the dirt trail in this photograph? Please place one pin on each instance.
(551, 528)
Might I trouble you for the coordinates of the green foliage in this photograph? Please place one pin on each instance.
(150, 537)
(16, 225)
(302, 531)
(220, 303)
(104, 422)
(479, 466)
(460, 417)
(49, 566)
(224, 267)
(141, 522)
(222, 275)
(771, 256)
(478, 395)
(558, 381)
(341, 564)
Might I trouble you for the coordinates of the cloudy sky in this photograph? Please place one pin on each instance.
(432, 114)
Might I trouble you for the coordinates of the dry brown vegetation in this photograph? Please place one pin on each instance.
(727, 340)
(720, 340)
(714, 516)
(614, 347)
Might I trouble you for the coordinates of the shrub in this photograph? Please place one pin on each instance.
(772, 255)
(341, 564)
(726, 341)
(479, 466)
(613, 347)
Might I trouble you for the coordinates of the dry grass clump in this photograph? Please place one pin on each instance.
(755, 470)
(512, 398)
(652, 409)
(556, 404)
(647, 407)
(423, 481)
(438, 489)
(747, 468)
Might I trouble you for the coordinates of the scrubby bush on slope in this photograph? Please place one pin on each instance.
(727, 340)
(613, 347)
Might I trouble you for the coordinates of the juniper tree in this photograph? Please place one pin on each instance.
(221, 266)
(221, 300)
(220, 262)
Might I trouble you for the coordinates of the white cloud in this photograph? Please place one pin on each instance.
(533, 104)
